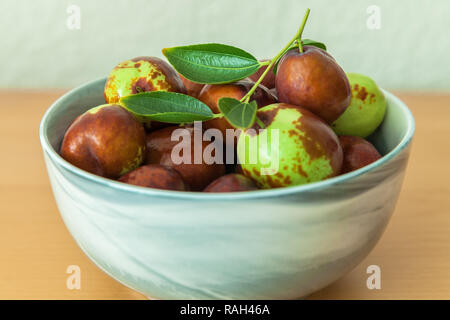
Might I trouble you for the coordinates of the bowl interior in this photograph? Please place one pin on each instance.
(393, 135)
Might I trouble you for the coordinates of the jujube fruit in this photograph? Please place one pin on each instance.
(192, 88)
(306, 150)
(107, 141)
(232, 182)
(139, 75)
(366, 110)
(196, 175)
(358, 153)
(155, 176)
(313, 80)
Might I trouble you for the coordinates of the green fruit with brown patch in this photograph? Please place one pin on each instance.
(366, 110)
(294, 148)
(107, 141)
(141, 74)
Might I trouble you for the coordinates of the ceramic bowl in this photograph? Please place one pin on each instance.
(271, 244)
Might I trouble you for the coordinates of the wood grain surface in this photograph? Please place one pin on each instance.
(36, 248)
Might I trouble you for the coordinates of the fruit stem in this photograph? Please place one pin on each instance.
(298, 35)
(300, 31)
(217, 115)
(260, 123)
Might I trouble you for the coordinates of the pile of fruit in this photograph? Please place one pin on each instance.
(319, 115)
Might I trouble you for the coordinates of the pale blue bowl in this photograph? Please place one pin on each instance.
(269, 244)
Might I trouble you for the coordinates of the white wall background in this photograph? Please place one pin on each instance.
(411, 50)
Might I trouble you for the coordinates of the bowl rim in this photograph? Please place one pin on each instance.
(265, 193)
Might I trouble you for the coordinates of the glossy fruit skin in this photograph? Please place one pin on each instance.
(107, 141)
(366, 110)
(197, 176)
(155, 176)
(141, 74)
(269, 79)
(211, 94)
(308, 149)
(358, 153)
(192, 88)
(232, 182)
(315, 81)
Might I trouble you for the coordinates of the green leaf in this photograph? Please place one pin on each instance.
(212, 63)
(239, 114)
(166, 106)
(309, 42)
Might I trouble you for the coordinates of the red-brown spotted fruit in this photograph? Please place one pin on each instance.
(358, 153)
(155, 176)
(211, 94)
(313, 80)
(269, 79)
(139, 75)
(192, 88)
(187, 152)
(107, 141)
(232, 182)
(295, 147)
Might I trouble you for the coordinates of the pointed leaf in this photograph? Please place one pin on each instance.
(239, 114)
(309, 42)
(212, 63)
(166, 106)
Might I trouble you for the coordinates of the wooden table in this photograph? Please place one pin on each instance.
(36, 248)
